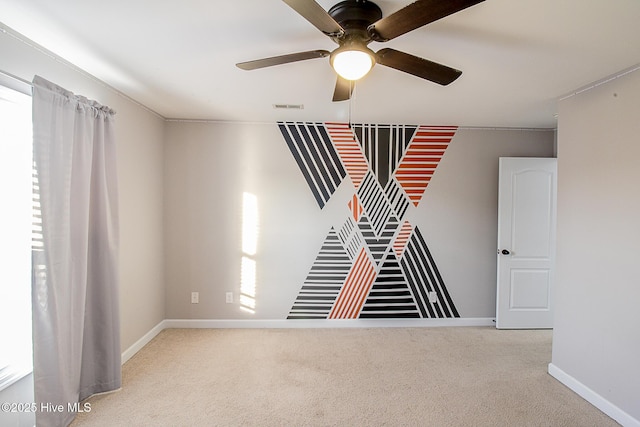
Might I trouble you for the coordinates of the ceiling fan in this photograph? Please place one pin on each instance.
(353, 24)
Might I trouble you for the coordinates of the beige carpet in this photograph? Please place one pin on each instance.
(342, 377)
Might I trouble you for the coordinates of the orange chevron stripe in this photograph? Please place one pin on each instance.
(349, 151)
(355, 289)
(429, 144)
(435, 133)
(452, 128)
(356, 208)
(413, 164)
(414, 184)
(402, 239)
(421, 159)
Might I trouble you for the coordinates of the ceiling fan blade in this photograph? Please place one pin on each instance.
(419, 67)
(282, 59)
(343, 89)
(415, 15)
(317, 16)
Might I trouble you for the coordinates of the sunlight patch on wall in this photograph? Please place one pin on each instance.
(249, 223)
(248, 285)
(249, 250)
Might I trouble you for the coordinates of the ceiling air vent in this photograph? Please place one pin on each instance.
(288, 106)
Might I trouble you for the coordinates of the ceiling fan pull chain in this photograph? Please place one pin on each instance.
(352, 85)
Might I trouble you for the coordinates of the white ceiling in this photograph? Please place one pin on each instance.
(178, 58)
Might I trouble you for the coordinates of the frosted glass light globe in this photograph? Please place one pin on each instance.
(352, 64)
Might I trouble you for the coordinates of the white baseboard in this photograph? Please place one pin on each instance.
(283, 323)
(321, 323)
(137, 346)
(592, 397)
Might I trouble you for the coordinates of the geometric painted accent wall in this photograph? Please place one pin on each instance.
(376, 264)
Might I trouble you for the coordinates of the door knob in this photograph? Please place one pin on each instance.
(505, 252)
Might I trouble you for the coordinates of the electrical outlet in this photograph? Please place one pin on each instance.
(433, 297)
(195, 297)
(229, 298)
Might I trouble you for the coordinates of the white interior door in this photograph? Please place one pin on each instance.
(526, 242)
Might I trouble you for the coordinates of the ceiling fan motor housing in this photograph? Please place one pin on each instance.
(355, 16)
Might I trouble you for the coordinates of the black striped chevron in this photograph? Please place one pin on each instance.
(378, 243)
(383, 146)
(398, 201)
(324, 281)
(316, 156)
(423, 277)
(375, 203)
(390, 296)
(350, 238)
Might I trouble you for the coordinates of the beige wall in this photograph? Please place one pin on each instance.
(139, 134)
(596, 338)
(460, 215)
(209, 165)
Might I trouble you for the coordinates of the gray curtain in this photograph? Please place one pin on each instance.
(76, 326)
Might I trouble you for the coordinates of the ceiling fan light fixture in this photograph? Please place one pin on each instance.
(352, 62)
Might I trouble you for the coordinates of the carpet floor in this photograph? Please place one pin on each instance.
(458, 376)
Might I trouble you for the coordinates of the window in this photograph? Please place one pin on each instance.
(15, 233)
